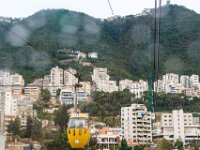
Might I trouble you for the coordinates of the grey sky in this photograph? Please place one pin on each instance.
(96, 8)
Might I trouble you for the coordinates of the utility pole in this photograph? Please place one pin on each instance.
(77, 85)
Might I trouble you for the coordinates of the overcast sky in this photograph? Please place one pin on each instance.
(96, 8)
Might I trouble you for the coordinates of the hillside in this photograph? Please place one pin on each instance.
(124, 44)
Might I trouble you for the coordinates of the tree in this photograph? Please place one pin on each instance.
(195, 144)
(179, 144)
(124, 145)
(36, 129)
(46, 95)
(164, 145)
(59, 142)
(14, 127)
(61, 118)
(29, 127)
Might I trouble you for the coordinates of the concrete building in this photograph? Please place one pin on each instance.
(93, 55)
(184, 80)
(2, 142)
(17, 83)
(136, 87)
(32, 92)
(69, 78)
(125, 84)
(107, 138)
(1, 121)
(4, 78)
(171, 78)
(67, 94)
(179, 125)
(56, 79)
(136, 124)
(9, 104)
(194, 80)
(102, 82)
(17, 79)
(25, 109)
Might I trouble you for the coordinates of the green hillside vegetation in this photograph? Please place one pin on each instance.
(124, 44)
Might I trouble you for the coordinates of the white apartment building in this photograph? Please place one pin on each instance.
(113, 86)
(171, 78)
(107, 138)
(4, 78)
(158, 86)
(93, 55)
(56, 80)
(17, 79)
(102, 81)
(184, 80)
(100, 74)
(9, 104)
(125, 84)
(69, 78)
(135, 87)
(32, 92)
(67, 94)
(1, 121)
(136, 124)
(179, 125)
(194, 80)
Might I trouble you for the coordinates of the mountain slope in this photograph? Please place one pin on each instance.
(125, 44)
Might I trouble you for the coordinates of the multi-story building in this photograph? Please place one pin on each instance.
(17, 83)
(136, 87)
(1, 121)
(69, 77)
(125, 84)
(136, 124)
(113, 86)
(158, 86)
(107, 138)
(24, 110)
(9, 104)
(179, 125)
(56, 80)
(4, 78)
(67, 94)
(171, 78)
(184, 80)
(194, 80)
(102, 81)
(32, 92)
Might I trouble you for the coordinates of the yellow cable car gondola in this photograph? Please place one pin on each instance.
(78, 130)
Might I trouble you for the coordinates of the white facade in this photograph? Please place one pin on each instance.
(184, 80)
(10, 104)
(136, 124)
(102, 81)
(67, 94)
(194, 80)
(93, 55)
(69, 78)
(179, 125)
(107, 138)
(4, 78)
(32, 92)
(56, 79)
(125, 84)
(171, 78)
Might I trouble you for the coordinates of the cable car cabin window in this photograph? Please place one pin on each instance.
(78, 123)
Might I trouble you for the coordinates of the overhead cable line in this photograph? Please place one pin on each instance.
(111, 7)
